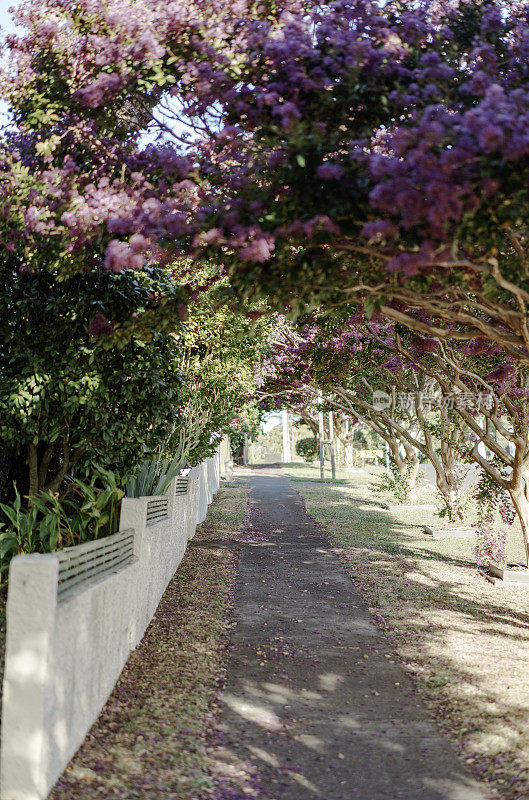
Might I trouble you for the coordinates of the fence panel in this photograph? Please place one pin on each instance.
(93, 560)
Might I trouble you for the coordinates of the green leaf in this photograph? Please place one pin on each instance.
(369, 307)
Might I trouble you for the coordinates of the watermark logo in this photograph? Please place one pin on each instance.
(381, 400)
(410, 402)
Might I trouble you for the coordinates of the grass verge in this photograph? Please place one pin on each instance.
(149, 741)
(465, 642)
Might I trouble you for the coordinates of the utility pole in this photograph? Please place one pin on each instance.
(245, 449)
(331, 443)
(286, 437)
(321, 434)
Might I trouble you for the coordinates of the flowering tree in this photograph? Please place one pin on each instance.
(355, 149)
(482, 413)
(407, 127)
(490, 395)
(347, 364)
(478, 403)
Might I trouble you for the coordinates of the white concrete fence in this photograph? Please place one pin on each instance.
(74, 616)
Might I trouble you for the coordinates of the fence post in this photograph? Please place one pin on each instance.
(171, 498)
(331, 444)
(192, 499)
(216, 471)
(134, 515)
(28, 677)
(202, 506)
(226, 461)
(321, 436)
(209, 479)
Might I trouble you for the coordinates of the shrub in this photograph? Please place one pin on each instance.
(86, 511)
(395, 483)
(77, 389)
(307, 448)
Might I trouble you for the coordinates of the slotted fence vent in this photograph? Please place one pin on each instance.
(156, 510)
(182, 485)
(90, 561)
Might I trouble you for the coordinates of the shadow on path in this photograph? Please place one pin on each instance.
(315, 705)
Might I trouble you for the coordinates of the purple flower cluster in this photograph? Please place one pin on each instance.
(490, 546)
(317, 135)
(439, 165)
(501, 373)
(100, 326)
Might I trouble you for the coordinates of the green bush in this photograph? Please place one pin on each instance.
(86, 375)
(86, 511)
(307, 448)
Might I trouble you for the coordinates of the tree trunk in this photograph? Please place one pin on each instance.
(412, 481)
(310, 423)
(451, 499)
(520, 500)
(447, 485)
(33, 467)
(349, 453)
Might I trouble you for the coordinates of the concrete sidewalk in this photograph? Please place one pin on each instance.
(315, 704)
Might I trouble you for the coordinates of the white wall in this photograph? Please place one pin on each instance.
(225, 459)
(202, 490)
(64, 658)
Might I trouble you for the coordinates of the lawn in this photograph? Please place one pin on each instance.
(150, 740)
(465, 641)
(302, 471)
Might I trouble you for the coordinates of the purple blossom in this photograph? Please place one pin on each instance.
(320, 222)
(329, 171)
(500, 373)
(381, 229)
(120, 256)
(259, 249)
(100, 326)
(288, 112)
(492, 20)
(394, 364)
(479, 83)
(478, 347)
(491, 138)
(490, 546)
(101, 90)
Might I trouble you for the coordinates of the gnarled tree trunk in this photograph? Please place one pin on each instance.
(520, 498)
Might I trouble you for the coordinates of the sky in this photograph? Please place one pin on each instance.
(270, 421)
(6, 26)
(5, 18)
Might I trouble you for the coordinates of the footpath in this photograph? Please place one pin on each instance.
(316, 705)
